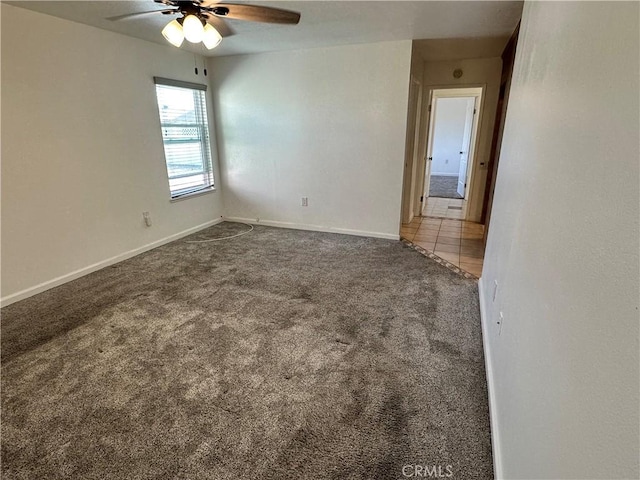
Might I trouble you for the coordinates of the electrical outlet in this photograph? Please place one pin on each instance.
(495, 290)
(500, 323)
(305, 201)
(147, 218)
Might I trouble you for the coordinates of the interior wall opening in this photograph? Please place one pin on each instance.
(451, 150)
(449, 158)
(455, 229)
(444, 180)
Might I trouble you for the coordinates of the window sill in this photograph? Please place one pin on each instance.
(197, 193)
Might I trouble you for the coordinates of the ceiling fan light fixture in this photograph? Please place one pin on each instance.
(194, 15)
(211, 38)
(173, 33)
(193, 29)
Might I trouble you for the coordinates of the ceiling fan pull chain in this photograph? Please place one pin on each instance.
(195, 62)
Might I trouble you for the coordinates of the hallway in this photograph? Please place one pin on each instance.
(456, 241)
(451, 208)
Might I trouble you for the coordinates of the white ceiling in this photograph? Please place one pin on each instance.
(323, 23)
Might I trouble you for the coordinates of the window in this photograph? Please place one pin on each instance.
(185, 134)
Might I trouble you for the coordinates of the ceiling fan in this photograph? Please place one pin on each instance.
(199, 20)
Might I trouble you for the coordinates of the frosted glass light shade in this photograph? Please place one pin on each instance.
(193, 29)
(211, 37)
(173, 33)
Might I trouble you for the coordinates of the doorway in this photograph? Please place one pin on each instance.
(444, 179)
(451, 145)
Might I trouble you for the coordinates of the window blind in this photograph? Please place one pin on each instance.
(185, 135)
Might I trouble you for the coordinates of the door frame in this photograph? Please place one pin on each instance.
(477, 90)
(409, 185)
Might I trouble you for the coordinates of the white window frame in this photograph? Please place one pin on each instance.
(191, 183)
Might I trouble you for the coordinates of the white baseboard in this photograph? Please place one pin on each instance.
(314, 228)
(444, 174)
(493, 408)
(28, 292)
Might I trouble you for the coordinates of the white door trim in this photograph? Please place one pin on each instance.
(412, 137)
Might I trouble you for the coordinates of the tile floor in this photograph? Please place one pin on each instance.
(445, 208)
(456, 241)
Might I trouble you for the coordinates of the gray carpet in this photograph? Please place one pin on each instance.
(443, 186)
(280, 354)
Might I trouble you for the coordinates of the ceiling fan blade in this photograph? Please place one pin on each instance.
(139, 14)
(222, 28)
(252, 13)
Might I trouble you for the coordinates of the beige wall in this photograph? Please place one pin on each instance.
(82, 153)
(563, 247)
(327, 124)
